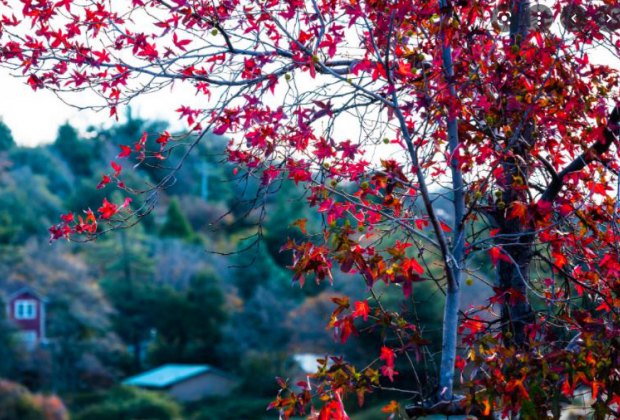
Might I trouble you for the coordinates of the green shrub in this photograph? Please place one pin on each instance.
(235, 408)
(127, 403)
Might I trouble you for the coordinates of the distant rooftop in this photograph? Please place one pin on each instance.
(167, 375)
(16, 288)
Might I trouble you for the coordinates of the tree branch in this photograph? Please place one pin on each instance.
(591, 154)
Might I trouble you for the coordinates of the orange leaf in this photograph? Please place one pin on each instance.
(392, 407)
(487, 407)
(559, 259)
(301, 224)
(518, 210)
(595, 388)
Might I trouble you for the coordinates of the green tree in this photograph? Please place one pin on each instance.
(77, 152)
(43, 161)
(256, 268)
(27, 206)
(132, 403)
(8, 347)
(126, 282)
(287, 206)
(188, 322)
(6, 137)
(176, 225)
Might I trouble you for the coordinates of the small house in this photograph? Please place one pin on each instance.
(25, 308)
(185, 382)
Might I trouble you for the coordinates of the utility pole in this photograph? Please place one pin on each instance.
(204, 186)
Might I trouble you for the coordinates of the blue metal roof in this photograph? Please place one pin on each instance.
(166, 375)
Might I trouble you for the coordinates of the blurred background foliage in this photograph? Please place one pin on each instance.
(199, 280)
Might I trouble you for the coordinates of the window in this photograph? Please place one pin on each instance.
(25, 309)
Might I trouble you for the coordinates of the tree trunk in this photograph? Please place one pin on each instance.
(451, 312)
(516, 238)
(513, 278)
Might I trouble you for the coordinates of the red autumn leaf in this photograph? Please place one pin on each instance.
(140, 144)
(445, 227)
(125, 151)
(388, 357)
(361, 309)
(410, 265)
(596, 386)
(117, 168)
(497, 255)
(163, 139)
(180, 43)
(421, 223)
(544, 207)
(518, 210)
(105, 180)
(304, 37)
(67, 218)
(107, 209)
(344, 328)
(559, 259)
(404, 69)
(270, 174)
(333, 411)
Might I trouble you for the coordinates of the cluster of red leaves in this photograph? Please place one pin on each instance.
(87, 225)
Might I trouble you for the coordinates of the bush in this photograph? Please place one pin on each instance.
(127, 403)
(235, 408)
(17, 403)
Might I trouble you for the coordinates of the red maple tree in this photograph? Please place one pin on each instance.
(379, 108)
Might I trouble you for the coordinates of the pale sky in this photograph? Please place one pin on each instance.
(34, 117)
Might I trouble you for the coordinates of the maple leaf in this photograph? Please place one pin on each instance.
(269, 175)
(421, 223)
(361, 309)
(410, 265)
(544, 207)
(388, 357)
(301, 224)
(559, 259)
(125, 152)
(180, 43)
(518, 210)
(497, 255)
(333, 411)
(117, 168)
(105, 180)
(445, 227)
(487, 407)
(404, 69)
(163, 139)
(107, 209)
(67, 218)
(391, 408)
(344, 327)
(460, 363)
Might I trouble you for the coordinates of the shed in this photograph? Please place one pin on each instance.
(25, 307)
(185, 382)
